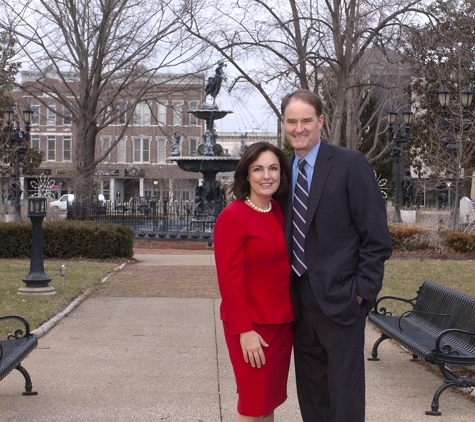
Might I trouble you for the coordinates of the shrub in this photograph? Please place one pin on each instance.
(409, 238)
(68, 239)
(460, 242)
(15, 239)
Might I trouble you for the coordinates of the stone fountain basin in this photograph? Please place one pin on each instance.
(203, 163)
(207, 114)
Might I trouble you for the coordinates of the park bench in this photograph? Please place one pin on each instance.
(439, 327)
(14, 349)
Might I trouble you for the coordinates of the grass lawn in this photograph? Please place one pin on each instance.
(37, 309)
(404, 277)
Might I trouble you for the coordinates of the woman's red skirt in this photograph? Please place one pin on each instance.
(261, 390)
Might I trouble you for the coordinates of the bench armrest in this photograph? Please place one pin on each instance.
(446, 349)
(384, 311)
(18, 333)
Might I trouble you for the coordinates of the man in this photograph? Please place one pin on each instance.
(338, 239)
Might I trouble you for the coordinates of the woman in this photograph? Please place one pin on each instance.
(253, 274)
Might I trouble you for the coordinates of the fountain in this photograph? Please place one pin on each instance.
(210, 198)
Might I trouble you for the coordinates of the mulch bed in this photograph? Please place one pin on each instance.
(440, 254)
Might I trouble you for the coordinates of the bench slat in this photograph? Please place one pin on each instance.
(14, 351)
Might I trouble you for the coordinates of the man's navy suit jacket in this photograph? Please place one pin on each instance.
(347, 237)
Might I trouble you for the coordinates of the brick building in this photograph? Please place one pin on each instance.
(137, 165)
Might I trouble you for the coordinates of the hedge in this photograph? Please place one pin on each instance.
(460, 242)
(68, 239)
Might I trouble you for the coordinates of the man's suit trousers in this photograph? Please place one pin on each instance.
(329, 361)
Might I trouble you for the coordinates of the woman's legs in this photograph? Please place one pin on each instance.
(265, 418)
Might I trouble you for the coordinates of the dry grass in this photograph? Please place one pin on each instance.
(404, 277)
(80, 275)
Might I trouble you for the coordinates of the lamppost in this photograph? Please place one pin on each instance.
(17, 135)
(399, 138)
(37, 281)
(455, 121)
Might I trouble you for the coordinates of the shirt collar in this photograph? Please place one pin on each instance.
(311, 156)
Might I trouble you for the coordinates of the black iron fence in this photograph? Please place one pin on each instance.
(178, 220)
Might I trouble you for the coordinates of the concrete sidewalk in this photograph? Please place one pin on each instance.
(165, 359)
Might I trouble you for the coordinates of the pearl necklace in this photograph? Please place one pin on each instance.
(249, 202)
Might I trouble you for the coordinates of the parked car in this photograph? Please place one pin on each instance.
(62, 203)
(136, 203)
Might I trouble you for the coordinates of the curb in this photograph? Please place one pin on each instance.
(47, 326)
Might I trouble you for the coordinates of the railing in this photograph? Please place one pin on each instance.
(178, 220)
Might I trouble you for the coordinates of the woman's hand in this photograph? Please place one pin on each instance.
(251, 344)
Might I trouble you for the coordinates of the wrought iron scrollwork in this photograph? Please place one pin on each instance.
(412, 311)
(384, 311)
(18, 333)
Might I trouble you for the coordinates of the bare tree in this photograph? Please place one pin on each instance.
(99, 59)
(327, 47)
(441, 52)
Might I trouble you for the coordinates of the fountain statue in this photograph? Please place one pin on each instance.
(210, 198)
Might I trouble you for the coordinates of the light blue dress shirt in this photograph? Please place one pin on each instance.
(310, 158)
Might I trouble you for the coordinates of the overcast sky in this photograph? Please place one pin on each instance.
(249, 115)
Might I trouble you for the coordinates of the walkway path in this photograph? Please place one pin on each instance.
(148, 346)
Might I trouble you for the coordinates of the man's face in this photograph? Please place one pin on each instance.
(302, 126)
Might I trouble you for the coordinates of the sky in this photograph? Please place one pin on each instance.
(249, 114)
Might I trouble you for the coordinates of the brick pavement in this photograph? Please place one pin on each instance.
(168, 281)
(185, 281)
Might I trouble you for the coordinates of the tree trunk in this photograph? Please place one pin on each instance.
(84, 161)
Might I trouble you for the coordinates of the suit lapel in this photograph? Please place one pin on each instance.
(319, 179)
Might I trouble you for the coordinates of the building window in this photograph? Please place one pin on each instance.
(177, 113)
(105, 146)
(182, 195)
(121, 155)
(141, 150)
(51, 114)
(162, 114)
(142, 114)
(51, 151)
(66, 148)
(121, 119)
(66, 116)
(35, 106)
(193, 105)
(192, 148)
(162, 153)
(35, 141)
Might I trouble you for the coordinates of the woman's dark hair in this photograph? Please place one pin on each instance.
(241, 188)
(305, 96)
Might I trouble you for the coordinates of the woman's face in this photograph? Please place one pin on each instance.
(264, 176)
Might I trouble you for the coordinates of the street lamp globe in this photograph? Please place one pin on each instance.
(28, 115)
(466, 97)
(392, 115)
(9, 113)
(444, 96)
(408, 115)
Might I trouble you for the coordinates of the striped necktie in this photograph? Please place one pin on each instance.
(299, 217)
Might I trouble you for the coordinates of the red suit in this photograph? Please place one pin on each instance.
(253, 274)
